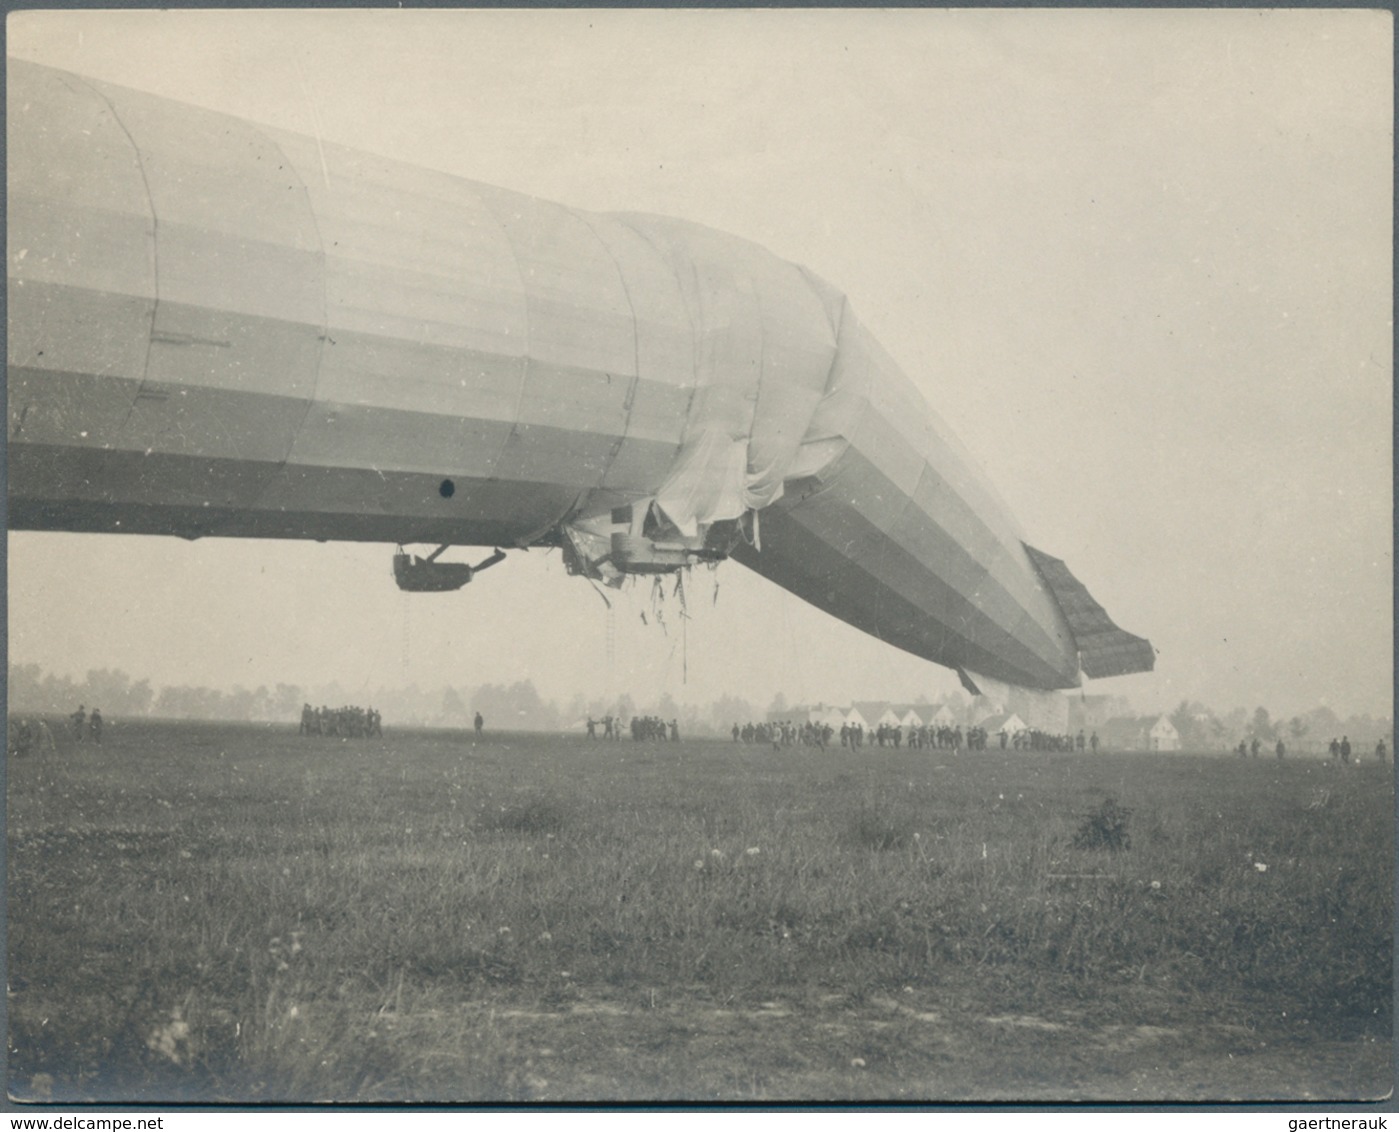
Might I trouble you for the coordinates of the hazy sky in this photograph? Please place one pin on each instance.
(1138, 260)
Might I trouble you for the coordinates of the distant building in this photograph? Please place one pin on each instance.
(801, 713)
(911, 715)
(832, 717)
(866, 713)
(851, 717)
(1164, 736)
(889, 717)
(869, 715)
(942, 717)
(899, 715)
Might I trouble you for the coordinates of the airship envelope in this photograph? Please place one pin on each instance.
(221, 329)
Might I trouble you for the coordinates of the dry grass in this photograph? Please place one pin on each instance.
(231, 912)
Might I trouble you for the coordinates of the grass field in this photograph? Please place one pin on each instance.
(231, 913)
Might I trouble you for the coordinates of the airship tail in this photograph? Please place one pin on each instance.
(1103, 648)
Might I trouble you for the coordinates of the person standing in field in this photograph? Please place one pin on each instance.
(1281, 750)
(1093, 742)
(94, 726)
(1335, 749)
(1380, 752)
(79, 719)
(1345, 749)
(480, 724)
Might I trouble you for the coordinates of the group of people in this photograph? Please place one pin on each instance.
(654, 729)
(87, 726)
(1341, 750)
(784, 734)
(611, 728)
(1245, 749)
(644, 729)
(344, 722)
(919, 737)
(1033, 740)
(23, 736)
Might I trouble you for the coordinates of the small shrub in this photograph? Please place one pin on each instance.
(871, 829)
(531, 815)
(1105, 828)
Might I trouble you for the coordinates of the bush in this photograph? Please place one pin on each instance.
(871, 829)
(532, 815)
(1105, 828)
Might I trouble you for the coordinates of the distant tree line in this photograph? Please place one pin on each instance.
(1204, 730)
(516, 706)
(519, 706)
(32, 690)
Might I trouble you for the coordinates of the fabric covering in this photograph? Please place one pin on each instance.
(1104, 649)
(219, 328)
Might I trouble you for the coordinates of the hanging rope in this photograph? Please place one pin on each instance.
(658, 603)
(599, 592)
(684, 627)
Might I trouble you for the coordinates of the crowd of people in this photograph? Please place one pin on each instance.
(358, 722)
(654, 729)
(345, 722)
(918, 737)
(644, 729)
(787, 733)
(784, 734)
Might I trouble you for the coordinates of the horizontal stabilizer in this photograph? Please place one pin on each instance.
(1103, 648)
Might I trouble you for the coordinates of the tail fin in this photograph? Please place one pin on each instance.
(1103, 648)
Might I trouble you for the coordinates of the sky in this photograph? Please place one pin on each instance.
(1139, 261)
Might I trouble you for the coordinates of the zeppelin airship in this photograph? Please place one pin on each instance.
(221, 329)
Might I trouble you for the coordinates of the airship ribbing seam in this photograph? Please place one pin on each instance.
(221, 329)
